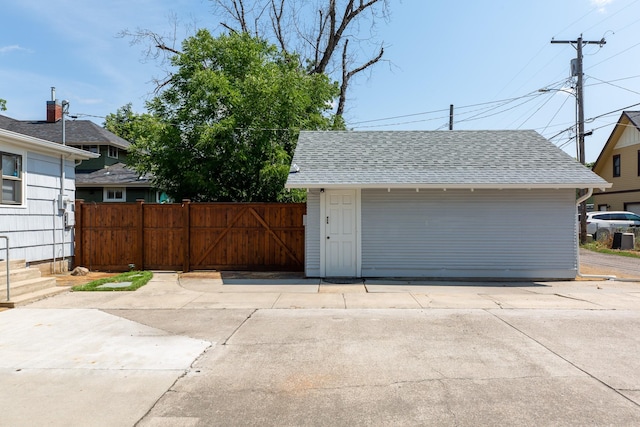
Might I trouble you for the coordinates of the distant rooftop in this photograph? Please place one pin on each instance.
(117, 174)
(77, 132)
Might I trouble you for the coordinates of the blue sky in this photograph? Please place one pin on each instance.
(487, 58)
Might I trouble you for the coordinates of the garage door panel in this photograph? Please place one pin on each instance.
(459, 233)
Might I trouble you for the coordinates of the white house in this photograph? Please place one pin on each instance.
(439, 204)
(37, 202)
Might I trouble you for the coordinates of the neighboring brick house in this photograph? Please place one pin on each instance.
(88, 136)
(619, 164)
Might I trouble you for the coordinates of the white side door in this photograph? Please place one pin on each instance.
(340, 229)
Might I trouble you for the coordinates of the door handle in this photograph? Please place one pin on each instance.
(328, 237)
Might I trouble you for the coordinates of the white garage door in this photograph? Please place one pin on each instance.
(633, 207)
(463, 233)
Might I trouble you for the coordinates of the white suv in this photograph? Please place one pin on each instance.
(602, 224)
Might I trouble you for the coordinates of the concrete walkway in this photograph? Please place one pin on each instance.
(191, 351)
(207, 291)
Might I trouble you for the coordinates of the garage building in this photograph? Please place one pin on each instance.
(439, 204)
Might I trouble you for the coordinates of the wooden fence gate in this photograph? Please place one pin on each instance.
(190, 236)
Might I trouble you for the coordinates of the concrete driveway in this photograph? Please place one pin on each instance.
(195, 352)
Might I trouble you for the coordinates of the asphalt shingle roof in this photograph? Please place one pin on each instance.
(435, 159)
(117, 174)
(77, 132)
(634, 117)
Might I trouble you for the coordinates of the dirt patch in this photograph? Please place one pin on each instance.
(262, 275)
(602, 271)
(69, 280)
(201, 275)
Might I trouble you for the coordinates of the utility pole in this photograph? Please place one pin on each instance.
(577, 71)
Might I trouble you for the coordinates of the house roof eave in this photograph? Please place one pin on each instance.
(451, 186)
(624, 120)
(53, 148)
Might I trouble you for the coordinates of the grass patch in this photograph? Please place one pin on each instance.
(135, 278)
(604, 249)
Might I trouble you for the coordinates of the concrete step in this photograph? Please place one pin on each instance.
(30, 297)
(26, 284)
(29, 285)
(18, 275)
(15, 264)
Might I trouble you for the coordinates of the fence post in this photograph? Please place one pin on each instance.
(186, 224)
(141, 243)
(78, 235)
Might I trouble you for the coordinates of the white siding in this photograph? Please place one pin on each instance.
(460, 233)
(312, 235)
(630, 137)
(36, 231)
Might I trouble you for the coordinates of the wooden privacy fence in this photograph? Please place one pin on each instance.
(190, 236)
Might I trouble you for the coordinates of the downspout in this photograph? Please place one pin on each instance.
(61, 202)
(55, 230)
(594, 276)
(62, 205)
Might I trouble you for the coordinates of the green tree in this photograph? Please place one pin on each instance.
(3, 105)
(334, 37)
(134, 127)
(229, 118)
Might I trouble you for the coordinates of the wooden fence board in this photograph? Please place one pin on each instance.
(190, 236)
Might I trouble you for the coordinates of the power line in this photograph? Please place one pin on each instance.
(489, 105)
(610, 16)
(611, 84)
(613, 56)
(556, 113)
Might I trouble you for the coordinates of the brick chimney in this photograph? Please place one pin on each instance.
(54, 108)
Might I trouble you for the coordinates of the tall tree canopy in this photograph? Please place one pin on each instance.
(227, 120)
(319, 30)
(333, 37)
(135, 128)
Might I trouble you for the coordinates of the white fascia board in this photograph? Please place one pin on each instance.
(31, 143)
(113, 185)
(452, 186)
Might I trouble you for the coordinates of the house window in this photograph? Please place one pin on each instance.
(616, 165)
(115, 194)
(113, 152)
(11, 179)
(91, 148)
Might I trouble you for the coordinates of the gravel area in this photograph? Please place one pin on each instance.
(597, 263)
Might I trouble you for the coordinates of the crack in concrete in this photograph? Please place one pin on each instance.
(416, 300)
(573, 298)
(191, 368)
(276, 391)
(171, 388)
(238, 328)
(610, 387)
